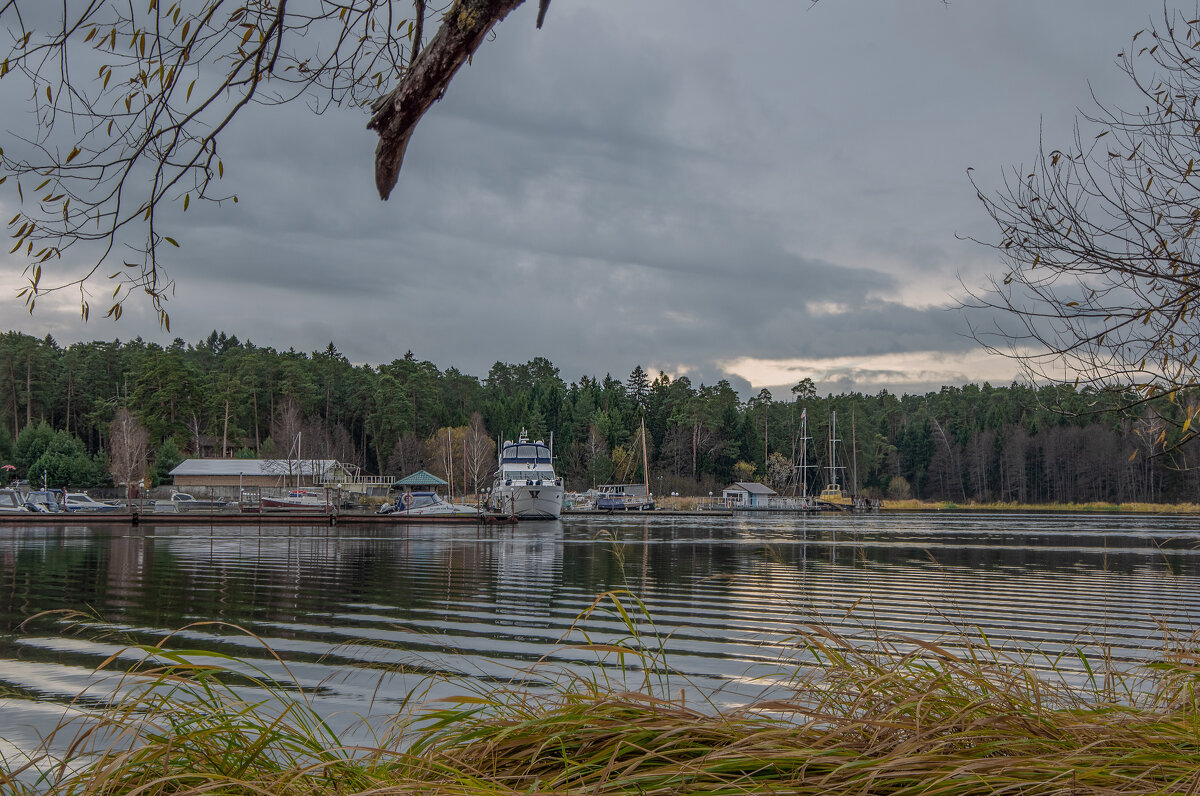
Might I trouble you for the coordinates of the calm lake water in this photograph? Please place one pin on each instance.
(362, 614)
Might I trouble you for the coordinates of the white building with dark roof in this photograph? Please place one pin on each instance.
(747, 493)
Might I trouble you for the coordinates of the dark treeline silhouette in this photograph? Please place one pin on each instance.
(226, 397)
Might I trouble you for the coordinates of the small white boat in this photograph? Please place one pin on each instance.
(11, 502)
(81, 501)
(299, 500)
(428, 504)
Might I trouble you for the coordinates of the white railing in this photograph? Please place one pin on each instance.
(330, 479)
(790, 504)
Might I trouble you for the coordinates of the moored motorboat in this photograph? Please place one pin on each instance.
(298, 500)
(11, 502)
(525, 486)
(81, 501)
(429, 504)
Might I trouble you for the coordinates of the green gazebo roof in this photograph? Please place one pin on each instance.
(421, 478)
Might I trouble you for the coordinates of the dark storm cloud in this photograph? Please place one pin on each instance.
(668, 184)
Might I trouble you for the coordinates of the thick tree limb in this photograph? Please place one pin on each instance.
(463, 29)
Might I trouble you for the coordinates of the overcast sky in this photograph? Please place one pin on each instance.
(754, 191)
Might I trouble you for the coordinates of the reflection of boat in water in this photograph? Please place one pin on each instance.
(525, 485)
(528, 567)
(429, 504)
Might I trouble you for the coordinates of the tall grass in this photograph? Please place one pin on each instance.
(893, 715)
(913, 504)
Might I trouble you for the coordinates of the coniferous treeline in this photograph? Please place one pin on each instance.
(225, 397)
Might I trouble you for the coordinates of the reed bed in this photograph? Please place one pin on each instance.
(892, 716)
(1095, 507)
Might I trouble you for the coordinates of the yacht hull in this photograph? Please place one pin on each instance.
(528, 502)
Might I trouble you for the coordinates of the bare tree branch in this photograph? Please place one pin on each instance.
(396, 114)
(1102, 238)
(129, 101)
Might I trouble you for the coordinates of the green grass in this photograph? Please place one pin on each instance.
(895, 716)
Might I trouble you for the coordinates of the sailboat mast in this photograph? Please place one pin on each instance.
(853, 454)
(833, 479)
(645, 460)
(804, 438)
(450, 462)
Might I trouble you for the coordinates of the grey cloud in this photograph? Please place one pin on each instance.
(665, 184)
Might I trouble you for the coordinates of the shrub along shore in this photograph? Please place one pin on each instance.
(891, 715)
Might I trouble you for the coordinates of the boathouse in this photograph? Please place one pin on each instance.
(747, 493)
(231, 475)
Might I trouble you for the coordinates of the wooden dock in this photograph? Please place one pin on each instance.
(650, 513)
(243, 518)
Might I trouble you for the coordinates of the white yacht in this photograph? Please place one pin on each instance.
(525, 485)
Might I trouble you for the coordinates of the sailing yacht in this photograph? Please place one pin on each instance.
(526, 486)
(832, 493)
(628, 497)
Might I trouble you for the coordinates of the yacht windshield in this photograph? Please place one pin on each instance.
(526, 452)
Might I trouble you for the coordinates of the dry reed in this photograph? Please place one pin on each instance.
(894, 716)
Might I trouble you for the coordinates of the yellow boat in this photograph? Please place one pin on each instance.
(832, 493)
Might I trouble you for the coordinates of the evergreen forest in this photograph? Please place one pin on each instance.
(225, 397)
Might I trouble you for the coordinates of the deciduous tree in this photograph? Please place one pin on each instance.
(128, 447)
(1101, 236)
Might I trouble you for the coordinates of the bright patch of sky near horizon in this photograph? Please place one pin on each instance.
(754, 192)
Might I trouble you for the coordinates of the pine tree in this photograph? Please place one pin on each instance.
(638, 387)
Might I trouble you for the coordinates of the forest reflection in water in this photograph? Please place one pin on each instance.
(363, 614)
